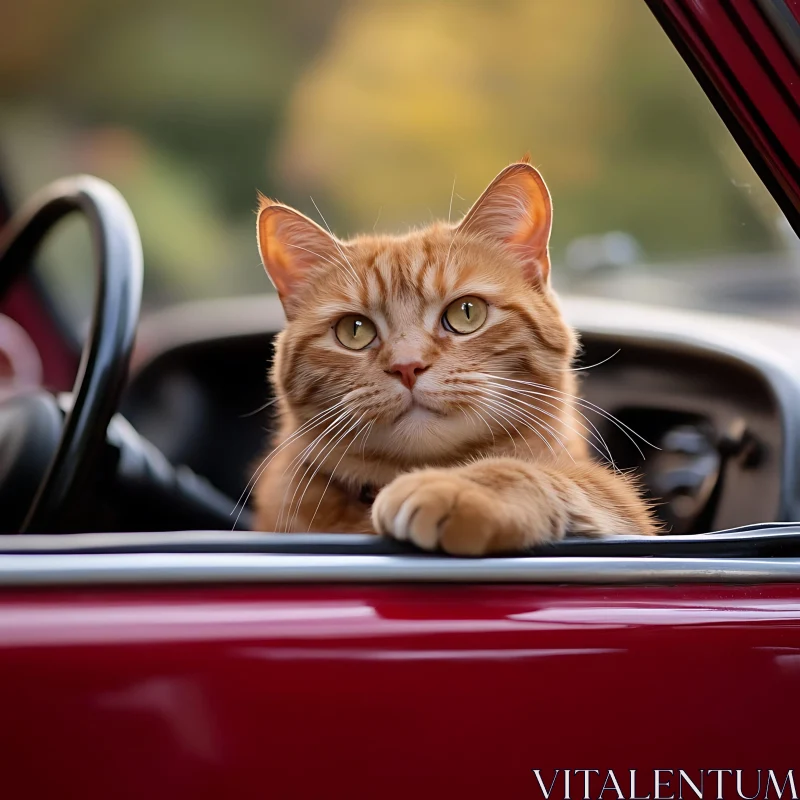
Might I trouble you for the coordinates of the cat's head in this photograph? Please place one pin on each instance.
(414, 335)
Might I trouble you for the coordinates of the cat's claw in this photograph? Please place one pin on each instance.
(438, 509)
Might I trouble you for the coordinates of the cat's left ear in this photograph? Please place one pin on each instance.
(516, 211)
(292, 248)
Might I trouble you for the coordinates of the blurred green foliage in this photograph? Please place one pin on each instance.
(373, 108)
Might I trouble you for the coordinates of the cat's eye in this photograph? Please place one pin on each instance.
(465, 315)
(355, 332)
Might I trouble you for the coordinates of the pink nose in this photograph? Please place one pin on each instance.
(408, 373)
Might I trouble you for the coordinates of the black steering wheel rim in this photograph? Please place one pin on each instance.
(106, 355)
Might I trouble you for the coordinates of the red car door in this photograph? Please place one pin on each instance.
(382, 690)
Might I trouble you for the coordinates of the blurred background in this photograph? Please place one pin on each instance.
(374, 109)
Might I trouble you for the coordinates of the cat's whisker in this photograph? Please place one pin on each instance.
(300, 458)
(322, 458)
(526, 418)
(316, 420)
(459, 233)
(333, 471)
(449, 248)
(586, 404)
(470, 398)
(335, 240)
(605, 455)
(261, 469)
(506, 403)
(491, 430)
(298, 461)
(486, 407)
(507, 418)
(592, 366)
(331, 261)
(260, 408)
(452, 192)
(369, 427)
(332, 423)
(308, 454)
(465, 241)
(597, 410)
(467, 416)
(539, 409)
(587, 424)
(559, 411)
(455, 233)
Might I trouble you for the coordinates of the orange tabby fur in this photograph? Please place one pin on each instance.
(487, 452)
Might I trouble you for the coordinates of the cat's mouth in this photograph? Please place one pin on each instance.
(418, 409)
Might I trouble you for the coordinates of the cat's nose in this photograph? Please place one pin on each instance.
(408, 372)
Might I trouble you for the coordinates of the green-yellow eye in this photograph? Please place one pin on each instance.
(355, 332)
(465, 315)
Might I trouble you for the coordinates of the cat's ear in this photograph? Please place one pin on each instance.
(291, 246)
(516, 211)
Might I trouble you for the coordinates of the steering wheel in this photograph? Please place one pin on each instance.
(45, 456)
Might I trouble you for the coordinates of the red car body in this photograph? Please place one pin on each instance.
(447, 687)
(394, 691)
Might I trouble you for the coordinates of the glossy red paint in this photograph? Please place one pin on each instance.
(389, 691)
(735, 50)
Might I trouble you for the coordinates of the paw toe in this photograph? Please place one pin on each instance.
(429, 508)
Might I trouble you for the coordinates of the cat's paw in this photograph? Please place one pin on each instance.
(439, 509)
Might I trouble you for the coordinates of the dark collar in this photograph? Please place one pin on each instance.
(367, 494)
(364, 494)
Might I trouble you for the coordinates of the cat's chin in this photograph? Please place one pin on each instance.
(421, 433)
(419, 412)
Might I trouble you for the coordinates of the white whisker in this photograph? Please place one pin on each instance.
(322, 459)
(260, 408)
(475, 411)
(586, 404)
(331, 261)
(314, 422)
(521, 416)
(506, 416)
(607, 455)
(330, 477)
(592, 366)
(335, 240)
(299, 460)
(560, 410)
(486, 407)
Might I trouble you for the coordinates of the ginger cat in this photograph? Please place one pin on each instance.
(434, 370)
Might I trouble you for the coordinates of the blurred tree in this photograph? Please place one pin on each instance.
(409, 95)
(178, 104)
(372, 107)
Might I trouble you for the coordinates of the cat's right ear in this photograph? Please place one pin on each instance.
(291, 246)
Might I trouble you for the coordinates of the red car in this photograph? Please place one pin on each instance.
(176, 658)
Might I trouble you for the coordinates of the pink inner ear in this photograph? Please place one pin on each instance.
(516, 211)
(532, 236)
(291, 245)
(270, 242)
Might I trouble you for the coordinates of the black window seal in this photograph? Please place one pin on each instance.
(772, 540)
